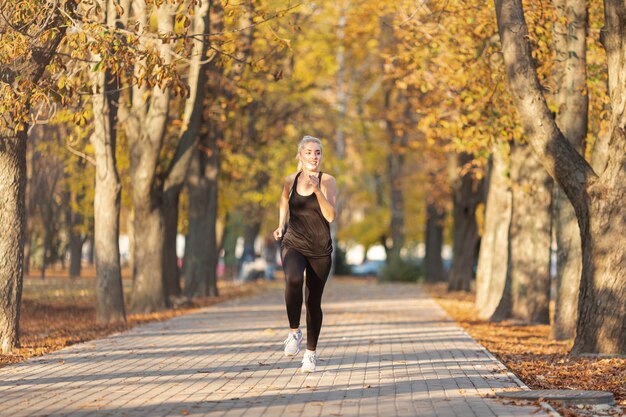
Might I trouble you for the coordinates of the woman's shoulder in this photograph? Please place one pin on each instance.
(291, 177)
(327, 177)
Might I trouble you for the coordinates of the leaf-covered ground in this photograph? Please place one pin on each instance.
(58, 312)
(538, 361)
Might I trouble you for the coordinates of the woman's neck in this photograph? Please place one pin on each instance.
(307, 172)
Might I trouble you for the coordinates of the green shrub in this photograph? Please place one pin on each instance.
(399, 270)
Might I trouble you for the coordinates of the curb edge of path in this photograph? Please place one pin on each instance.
(547, 407)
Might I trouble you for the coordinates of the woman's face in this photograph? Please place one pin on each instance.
(311, 156)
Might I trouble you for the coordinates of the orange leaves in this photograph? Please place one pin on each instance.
(528, 351)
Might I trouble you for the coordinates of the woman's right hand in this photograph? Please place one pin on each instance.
(278, 233)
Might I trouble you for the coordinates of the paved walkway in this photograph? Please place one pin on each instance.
(386, 350)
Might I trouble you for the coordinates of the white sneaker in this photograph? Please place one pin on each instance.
(292, 343)
(309, 362)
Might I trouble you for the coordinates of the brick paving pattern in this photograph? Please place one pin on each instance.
(385, 350)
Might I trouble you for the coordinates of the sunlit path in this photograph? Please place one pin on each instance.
(385, 350)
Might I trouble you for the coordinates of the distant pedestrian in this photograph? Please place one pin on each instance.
(309, 198)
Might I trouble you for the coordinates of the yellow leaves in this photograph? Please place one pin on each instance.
(183, 21)
(80, 119)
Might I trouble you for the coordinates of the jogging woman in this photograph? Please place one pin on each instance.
(309, 196)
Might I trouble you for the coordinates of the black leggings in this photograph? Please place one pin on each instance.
(317, 270)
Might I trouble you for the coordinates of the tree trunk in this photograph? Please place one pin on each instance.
(145, 138)
(572, 101)
(493, 295)
(192, 119)
(601, 325)
(76, 241)
(395, 165)
(433, 263)
(76, 250)
(598, 201)
(466, 194)
(340, 135)
(13, 152)
(211, 175)
(229, 243)
(44, 257)
(394, 100)
(196, 266)
(91, 256)
(529, 237)
(130, 233)
(171, 272)
(12, 189)
(110, 298)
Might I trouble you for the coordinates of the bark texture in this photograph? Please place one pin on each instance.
(572, 101)
(529, 237)
(601, 325)
(107, 199)
(12, 189)
(202, 251)
(192, 120)
(196, 266)
(145, 138)
(598, 201)
(29, 68)
(466, 195)
(493, 290)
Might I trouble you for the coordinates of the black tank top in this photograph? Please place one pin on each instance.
(308, 231)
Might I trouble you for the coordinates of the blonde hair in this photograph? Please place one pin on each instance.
(306, 139)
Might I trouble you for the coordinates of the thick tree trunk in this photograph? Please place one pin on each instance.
(466, 194)
(145, 138)
(196, 266)
(192, 119)
(13, 154)
(110, 299)
(601, 325)
(572, 101)
(530, 235)
(109, 294)
(171, 272)
(433, 263)
(598, 201)
(148, 290)
(12, 189)
(201, 250)
(493, 290)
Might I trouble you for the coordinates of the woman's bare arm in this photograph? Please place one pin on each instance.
(283, 207)
(327, 197)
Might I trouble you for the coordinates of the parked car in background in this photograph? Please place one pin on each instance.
(368, 268)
